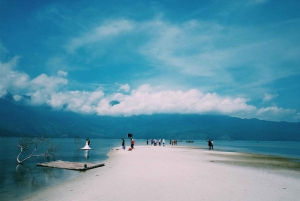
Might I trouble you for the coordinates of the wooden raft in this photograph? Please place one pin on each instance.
(70, 165)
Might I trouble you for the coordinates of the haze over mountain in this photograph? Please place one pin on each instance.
(28, 120)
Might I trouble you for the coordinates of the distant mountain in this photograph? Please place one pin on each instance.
(17, 119)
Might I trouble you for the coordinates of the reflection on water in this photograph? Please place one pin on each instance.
(86, 154)
(24, 176)
(27, 176)
(30, 178)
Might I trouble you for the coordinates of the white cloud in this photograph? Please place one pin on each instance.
(47, 82)
(19, 83)
(12, 80)
(222, 53)
(51, 90)
(124, 87)
(17, 97)
(110, 28)
(188, 47)
(275, 113)
(76, 101)
(62, 73)
(145, 99)
(42, 87)
(195, 48)
(268, 97)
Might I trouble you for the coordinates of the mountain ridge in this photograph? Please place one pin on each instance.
(18, 119)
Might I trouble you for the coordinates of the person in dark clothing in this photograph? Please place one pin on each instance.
(123, 143)
(209, 144)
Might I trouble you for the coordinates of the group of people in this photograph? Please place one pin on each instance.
(131, 144)
(173, 142)
(155, 142)
(159, 142)
(210, 144)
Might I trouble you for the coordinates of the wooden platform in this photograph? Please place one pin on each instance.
(70, 165)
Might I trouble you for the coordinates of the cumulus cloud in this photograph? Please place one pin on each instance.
(42, 87)
(19, 83)
(76, 101)
(12, 80)
(145, 99)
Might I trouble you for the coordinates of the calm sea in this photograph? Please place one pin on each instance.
(19, 181)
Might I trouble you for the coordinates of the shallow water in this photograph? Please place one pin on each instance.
(29, 179)
(290, 149)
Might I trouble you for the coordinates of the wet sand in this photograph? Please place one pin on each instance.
(182, 173)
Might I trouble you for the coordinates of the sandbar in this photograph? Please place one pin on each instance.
(160, 173)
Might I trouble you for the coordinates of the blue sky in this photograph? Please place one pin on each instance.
(239, 58)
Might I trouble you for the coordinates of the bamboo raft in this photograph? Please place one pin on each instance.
(70, 165)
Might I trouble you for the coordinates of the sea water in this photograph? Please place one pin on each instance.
(20, 181)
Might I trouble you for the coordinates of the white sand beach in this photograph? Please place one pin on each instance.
(179, 173)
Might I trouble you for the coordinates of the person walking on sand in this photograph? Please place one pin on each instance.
(132, 143)
(212, 144)
(163, 142)
(123, 144)
(147, 141)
